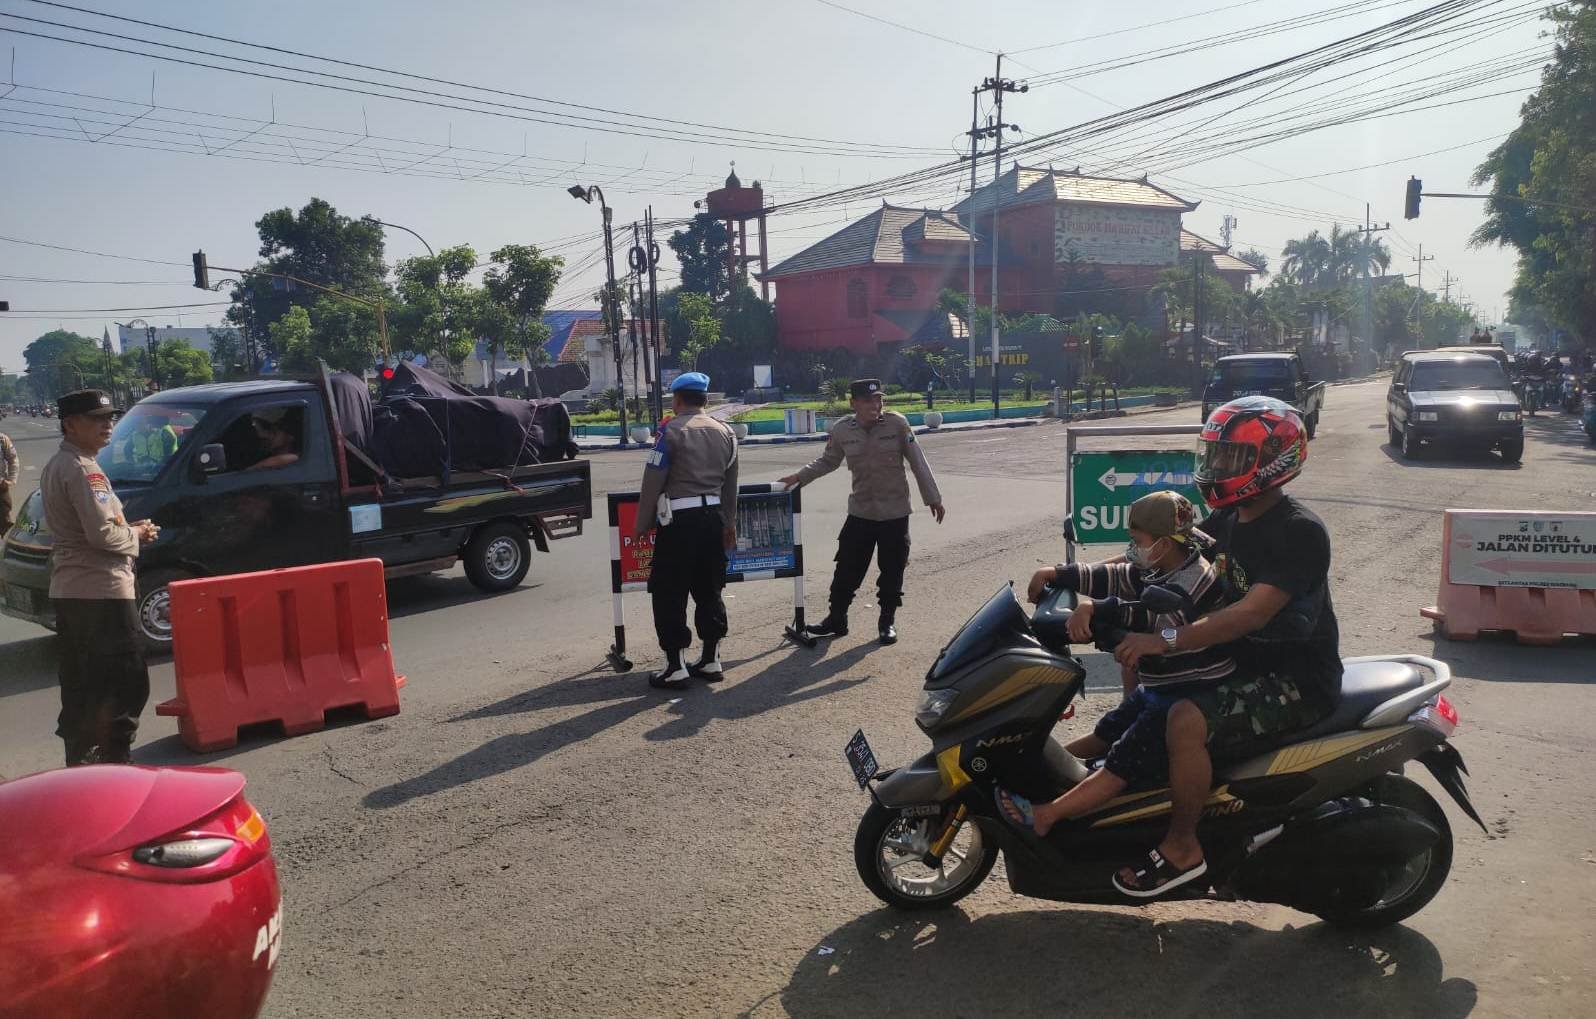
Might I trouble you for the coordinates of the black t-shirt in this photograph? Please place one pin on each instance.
(1289, 548)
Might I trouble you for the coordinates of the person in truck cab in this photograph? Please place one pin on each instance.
(272, 429)
(152, 444)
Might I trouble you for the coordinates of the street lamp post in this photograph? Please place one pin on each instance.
(149, 347)
(396, 226)
(587, 194)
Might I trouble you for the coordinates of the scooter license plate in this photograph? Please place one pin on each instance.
(861, 759)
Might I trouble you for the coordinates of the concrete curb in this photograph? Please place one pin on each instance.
(779, 440)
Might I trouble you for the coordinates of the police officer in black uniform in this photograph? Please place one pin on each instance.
(690, 486)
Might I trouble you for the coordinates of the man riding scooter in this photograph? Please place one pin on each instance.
(1273, 556)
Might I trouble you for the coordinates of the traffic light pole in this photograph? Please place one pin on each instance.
(202, 281)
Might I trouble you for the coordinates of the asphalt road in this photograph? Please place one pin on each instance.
(537, 835)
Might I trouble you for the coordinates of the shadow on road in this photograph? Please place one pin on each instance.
(1079, 962)
(408, 596)
(1504, 660)
(29, 665)
(1443, 456)
(621, 698)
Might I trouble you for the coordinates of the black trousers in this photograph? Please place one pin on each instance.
(104, 684)
(689, 559)
(888, 541)
(5, 508)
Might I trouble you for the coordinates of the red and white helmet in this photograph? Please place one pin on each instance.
(1247, 447)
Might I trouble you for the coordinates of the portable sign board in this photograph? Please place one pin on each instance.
(1104, 483)
(1495, 549)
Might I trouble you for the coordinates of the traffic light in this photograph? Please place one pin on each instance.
(202, 271)
(5, 305)
(1411, 210)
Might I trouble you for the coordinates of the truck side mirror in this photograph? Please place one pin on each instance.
(211, 459)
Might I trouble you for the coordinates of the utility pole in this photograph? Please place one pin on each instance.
(1446, 286)
(1366, 236)
(969, 306)
(1227, 226)
(1419, 305)
(999, 86)
(656, 343)
(1197, 318)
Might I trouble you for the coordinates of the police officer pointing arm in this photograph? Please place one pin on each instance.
(690, 485)
(876, 444)
(104, 684)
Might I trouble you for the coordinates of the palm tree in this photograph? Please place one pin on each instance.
(1307, 260)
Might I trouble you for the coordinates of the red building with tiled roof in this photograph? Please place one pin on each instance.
(874, 284)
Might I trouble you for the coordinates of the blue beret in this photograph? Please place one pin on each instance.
(696, 381)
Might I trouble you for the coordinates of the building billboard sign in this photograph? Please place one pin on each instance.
(1114, 236)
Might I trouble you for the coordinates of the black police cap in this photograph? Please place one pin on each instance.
(864, 388)
(85, 401)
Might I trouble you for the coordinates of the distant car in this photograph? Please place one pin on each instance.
(1491, 350)
(1459, 398)
(1281, 376)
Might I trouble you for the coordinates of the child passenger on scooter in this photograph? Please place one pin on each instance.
(1165, 550)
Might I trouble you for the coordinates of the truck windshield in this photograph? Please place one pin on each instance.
(145, 439)
(1253, 373)
(1457, 375)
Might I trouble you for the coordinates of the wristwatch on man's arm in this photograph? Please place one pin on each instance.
(1169, 634)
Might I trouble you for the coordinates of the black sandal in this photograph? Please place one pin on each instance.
(1158, 876)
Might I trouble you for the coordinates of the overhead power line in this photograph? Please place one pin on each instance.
(634, 124)
(86, 251)
(137, 307)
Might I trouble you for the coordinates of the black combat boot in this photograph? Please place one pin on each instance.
(834, 625)
(708, 667)
(673, 676)
(885, 628)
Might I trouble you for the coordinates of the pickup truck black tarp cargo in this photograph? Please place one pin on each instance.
(1278, 375)
(232, 512)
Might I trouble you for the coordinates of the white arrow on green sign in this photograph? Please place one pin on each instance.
(1104, 483)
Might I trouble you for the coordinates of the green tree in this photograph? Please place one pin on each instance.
(227, 354)
(518, 288)
(703, 328)
(1257, 259)
(441, 306)
(702, 249)
(60, 361)
(290, 337)
(1551, 157)
(178, 364)
(318, 244)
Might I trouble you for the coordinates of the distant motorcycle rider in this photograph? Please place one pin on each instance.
(1273, 556)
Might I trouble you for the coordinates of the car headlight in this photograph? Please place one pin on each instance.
(933, 705)
(1508, 415)
(1427, 415)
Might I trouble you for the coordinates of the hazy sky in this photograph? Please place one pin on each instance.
(790, 68)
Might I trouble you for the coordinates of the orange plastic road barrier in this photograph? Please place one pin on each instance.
(279, 646)
(1532, 574)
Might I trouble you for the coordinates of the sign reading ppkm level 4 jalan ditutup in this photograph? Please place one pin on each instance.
(1523, 549)
(1104, 483)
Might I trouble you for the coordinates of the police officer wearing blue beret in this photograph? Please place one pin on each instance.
(690, 486)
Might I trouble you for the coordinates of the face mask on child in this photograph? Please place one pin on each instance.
(1141, 557)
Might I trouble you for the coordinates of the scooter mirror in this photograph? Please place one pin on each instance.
(1160, 599)
(1069, 527)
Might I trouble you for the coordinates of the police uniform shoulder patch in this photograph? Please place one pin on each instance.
(97, 481)
(660, 456)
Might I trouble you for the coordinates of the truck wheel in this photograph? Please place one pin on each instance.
(1513, 452)
(1392, 435)
(154, 607)
(498, 556)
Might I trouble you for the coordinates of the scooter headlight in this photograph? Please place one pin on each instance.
(933, 705)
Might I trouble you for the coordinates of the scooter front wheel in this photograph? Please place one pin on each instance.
(888, 850)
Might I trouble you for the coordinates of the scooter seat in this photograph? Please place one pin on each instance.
(1364, 687)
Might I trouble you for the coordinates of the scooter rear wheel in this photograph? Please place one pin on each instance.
(887, 850)
(1407, 888)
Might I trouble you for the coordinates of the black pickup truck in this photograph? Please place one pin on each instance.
(224, 507)
(1278, 375)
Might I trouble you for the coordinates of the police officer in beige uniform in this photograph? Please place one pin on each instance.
(104, 684)
(10, 464)
(694, 467)
(876, 443)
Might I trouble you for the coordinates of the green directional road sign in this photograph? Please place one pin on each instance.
(1104, 483)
